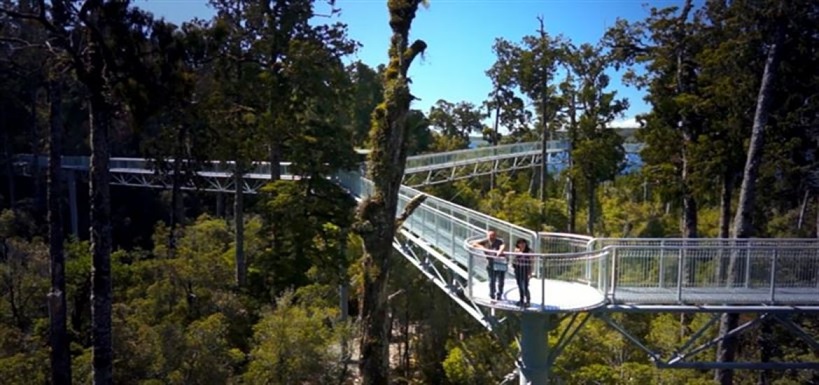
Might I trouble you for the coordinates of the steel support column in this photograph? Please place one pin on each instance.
(534, 348)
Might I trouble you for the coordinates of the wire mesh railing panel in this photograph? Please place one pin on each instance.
(599, 243)
(797, 268)
(716, 275)
(427, 160)
(558, 243)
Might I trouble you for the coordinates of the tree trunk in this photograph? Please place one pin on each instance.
(220, 204)
(495, 142)
(239, 226)
(591, 219)
(177, 203)
(376, 222)
(803, 208)
(544, 164)
(724, 220)
(58, 335)
(101, 114)
(766, 350)
(743, 226)
(34, 139)
(275, 160)
(684, 81)
(9, 163)
(572, 186)
(726, 193)
(689, 203)
(817, 216)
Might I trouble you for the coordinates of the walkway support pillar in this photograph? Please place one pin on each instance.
(534, 348)
(72, 202)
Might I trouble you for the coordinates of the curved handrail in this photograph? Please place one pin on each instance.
(556, 243)
(572, 267)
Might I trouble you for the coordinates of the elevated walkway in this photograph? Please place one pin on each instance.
(572, 275)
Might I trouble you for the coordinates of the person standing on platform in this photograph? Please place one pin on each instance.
(523, 270)
(496, 263)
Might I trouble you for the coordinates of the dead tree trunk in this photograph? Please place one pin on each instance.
(802, 209)
(58, 334)
(376, 221)
(743, 226)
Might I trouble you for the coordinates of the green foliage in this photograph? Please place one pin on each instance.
(476, 360)
(22, 357)
(524, 210)
(295, 344)
(16, 224)
(457, 120)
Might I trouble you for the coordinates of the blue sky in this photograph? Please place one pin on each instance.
(460, 35)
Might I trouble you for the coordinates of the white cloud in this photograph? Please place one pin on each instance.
(625, 123)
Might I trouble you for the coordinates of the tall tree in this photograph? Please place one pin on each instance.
(103, 42)
(58, 333)
(530, 68)
(376, 218)
(456, 120)
(277, 49)
(597, 153)
(743, 225)
(666, 43)
(368, 92)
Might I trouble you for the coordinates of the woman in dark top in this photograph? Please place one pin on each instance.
(523, 270)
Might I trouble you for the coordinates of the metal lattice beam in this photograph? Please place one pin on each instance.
(683, 356)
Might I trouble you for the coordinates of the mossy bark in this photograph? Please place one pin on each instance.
(376, 221)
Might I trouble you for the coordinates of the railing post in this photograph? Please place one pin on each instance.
(773, 276)
(601, 273)
(470, 267)
(542, 259)
(679, 274)
(747, 264)
(438, 233)
(613, 273)
(661, 282)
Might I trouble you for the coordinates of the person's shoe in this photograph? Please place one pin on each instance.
(519, 303)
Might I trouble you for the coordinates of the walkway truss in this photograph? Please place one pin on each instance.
(574, 277)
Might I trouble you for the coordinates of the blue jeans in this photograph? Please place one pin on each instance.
(496, 278)
(522, 278)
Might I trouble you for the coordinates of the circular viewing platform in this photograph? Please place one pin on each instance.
(569, 280)
(546, 296)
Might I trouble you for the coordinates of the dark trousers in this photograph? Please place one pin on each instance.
(496, 278)
(522, 278)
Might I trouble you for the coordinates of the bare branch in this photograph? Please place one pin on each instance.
(417, 47)
(413, 204)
